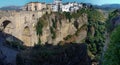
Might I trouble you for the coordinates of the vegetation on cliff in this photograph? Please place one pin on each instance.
(71, 53)
(113, 14)
(93, 14)
(110, 23)
(96, 39)
(112, 55)
(95, 34)
(39, 27)
(95, 29)
(52, 30)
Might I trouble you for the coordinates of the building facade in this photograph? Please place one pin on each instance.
(71, 7)
(57, 5)
(65, 7)
(34, 6)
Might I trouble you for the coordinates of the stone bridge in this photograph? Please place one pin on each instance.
(21, 25)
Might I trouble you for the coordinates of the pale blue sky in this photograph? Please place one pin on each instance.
(22, 2)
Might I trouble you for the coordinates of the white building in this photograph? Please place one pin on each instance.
(66, 7)
(71, 7)
(74, 8)
(57, 5)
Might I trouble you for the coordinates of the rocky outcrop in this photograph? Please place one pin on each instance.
(64, 27)
(56, 28)
(115, 22)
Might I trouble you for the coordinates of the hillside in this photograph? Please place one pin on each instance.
(59, 28)
(62, 31)
(108, 6)
(6, 8)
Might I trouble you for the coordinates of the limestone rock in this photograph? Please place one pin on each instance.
(64, 29)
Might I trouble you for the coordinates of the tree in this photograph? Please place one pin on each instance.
(39, 27)
(68, 16)
(112, 55)
(95, 41)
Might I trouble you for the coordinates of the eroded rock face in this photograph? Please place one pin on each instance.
(115, 22)
(18, 21)
(64, 28)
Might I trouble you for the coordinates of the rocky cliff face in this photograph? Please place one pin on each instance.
(115, 22)
(59, 29)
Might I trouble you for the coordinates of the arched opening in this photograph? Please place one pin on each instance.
(26, 36)
(7, 27)
(6, 31)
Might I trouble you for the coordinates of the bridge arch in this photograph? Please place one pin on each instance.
(26, 36)
(7, 26)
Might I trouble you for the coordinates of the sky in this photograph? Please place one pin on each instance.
(23, 2)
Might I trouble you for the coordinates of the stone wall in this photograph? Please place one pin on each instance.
(34, 6)
(18, 22)
(22, 26)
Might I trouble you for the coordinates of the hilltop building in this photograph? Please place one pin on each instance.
(65, 7)
(34, 6)
(71, 7)
(57, 5)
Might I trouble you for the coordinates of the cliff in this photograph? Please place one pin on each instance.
(57, 28)
(68, 54)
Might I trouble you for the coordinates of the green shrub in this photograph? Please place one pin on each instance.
(68, 16)
(95, 42)
(39, 27)
(54, 25)
(112, 55)
(68, 37)
(53, 32)
(109, 24)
